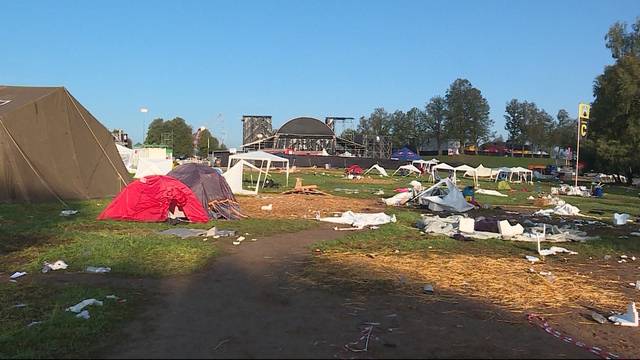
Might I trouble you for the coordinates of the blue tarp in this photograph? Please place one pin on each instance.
(405, 154)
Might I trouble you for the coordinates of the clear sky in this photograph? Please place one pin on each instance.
(200, 59)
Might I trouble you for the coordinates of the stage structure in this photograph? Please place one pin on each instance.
(310, 136)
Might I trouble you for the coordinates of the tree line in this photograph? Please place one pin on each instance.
(462, 115)
(180, 136)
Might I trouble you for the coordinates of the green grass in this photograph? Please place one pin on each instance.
(32, 234)
(60, 335)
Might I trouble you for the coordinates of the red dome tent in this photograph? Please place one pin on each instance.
(151, 198)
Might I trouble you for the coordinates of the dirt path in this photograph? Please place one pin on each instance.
(246, 306)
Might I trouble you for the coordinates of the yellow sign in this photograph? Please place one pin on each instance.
(583, 110)
(583, 127)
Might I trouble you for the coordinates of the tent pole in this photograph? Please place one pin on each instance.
(287, 173)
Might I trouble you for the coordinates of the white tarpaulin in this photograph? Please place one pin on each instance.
(235, 177)
(491, 192)
(409, 168)
(265, 160)
(452, 201)
(564, 209)
(482, 171)
(126, 155)
(148, 167)
(360, 220)
(378, 168)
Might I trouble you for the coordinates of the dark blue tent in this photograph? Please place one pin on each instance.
(405, 154)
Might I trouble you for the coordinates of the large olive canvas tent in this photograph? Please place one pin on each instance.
(52, 148)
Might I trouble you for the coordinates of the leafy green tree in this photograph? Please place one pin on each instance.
(614, 127)
(564, 130)
(404, 128)
(435, 117)
(514, 121)
(621, 42)
(378, 123)
(467, 117)
(181, 135)
(207, 143)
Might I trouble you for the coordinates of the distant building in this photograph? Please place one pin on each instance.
(430, 147)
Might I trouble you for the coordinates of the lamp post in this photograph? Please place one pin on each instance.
(144, 110)
(259, 140)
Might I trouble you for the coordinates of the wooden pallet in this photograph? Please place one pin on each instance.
(305, 189)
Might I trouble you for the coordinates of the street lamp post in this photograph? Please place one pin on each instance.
(144, 110)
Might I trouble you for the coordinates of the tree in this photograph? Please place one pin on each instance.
(614, 127)
(404, 128)
(434, 119)
(467, 117)
(378, 123)
(207, 143)
(181, 134)
(514, 121)
(621, 42)
(349, 134)
(564, 130)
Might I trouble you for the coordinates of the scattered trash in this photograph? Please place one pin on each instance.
(598, 318)
(532, 259)
(97, 270)
(77, 308)
(33, 323)
(183, 232)
(365, 336)
(620, 219)
(84, 314)
(360, 220)
(17, 275)
(635, 234)
(490, 192)
(508, 231)
(68, 212)
(267, 207)
(112, 297)
(607, 257)
(531, 198)
(428, 289)
(379, 193)
(467, 225)
(565, 209)
(630, 318)
(58, 265)
(19, 306)
(254, 240)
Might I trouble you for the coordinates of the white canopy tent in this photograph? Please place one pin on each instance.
(235, 177)
(436, 168)
(378, 168)
(427, 164)
(483, 172)
(265, 160)
(468, 170)
(127, 156)
(409, 168)
(522, 174)
(503, 170)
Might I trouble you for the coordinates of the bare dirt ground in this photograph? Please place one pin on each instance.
(251, 304)
(295, 206)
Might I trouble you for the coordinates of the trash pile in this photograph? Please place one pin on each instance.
(569, 190)
(359, 220)
(461, 227)
(435, 198)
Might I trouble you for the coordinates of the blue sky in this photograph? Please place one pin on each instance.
(200, 59)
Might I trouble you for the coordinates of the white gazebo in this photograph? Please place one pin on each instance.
(441, 166)
(409, 168)
(264, 159)
(468, 171)
(522, 174)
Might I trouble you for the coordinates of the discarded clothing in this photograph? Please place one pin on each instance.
(58, 265)
(77, 308)
(566, 189)
(184, 232)
(491, 192)
(360, 220)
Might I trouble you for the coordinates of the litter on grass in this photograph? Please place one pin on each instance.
(491, 192)
(84, 314)
(97, 270)
(77, 308)
(359, 220)
(68, 212)
(184, 232)
(17, 275)
(58, 265)
(564, 209)
(630, 318)
(620, 219)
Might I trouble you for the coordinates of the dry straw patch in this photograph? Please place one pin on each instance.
(506, 282)
(296, 206)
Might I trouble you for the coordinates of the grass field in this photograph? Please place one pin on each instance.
(33, 234)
